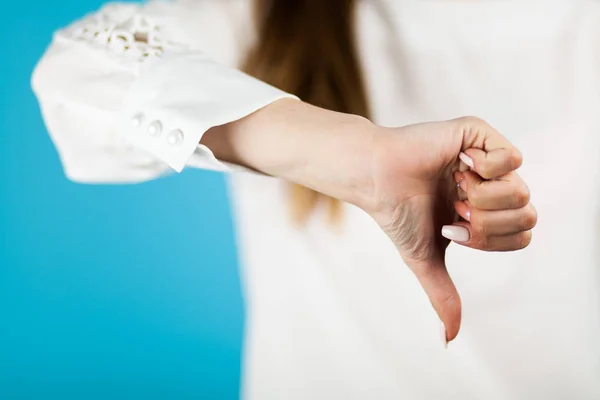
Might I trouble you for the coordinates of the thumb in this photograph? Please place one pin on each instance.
(435, 280)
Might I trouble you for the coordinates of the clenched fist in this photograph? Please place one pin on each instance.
(448, 181)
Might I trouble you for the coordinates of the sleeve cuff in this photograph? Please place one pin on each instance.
(177, 99)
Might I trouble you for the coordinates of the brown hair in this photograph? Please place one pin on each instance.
(307, 48)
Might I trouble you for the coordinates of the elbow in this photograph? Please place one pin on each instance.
(54, 68)
(37, 78)
(42, 75)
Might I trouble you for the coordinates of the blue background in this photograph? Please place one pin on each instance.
(105, 291)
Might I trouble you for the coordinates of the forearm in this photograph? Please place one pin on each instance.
(326, 151)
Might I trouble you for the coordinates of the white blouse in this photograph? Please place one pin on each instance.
(127, 93)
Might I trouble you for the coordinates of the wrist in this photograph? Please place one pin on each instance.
(326, 151)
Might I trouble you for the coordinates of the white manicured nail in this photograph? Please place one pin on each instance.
(466, 159)
(443, 335)
(456, 233)
(468, 215)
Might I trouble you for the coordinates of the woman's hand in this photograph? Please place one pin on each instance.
(416, 171)
(406, 178)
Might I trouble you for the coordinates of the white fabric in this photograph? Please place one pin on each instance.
(125, 94)
(336, 315)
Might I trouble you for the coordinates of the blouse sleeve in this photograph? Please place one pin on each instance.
(124, 103)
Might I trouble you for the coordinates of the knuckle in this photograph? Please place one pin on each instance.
(524, 239)
(508, 165)
(470, 125)
(529, 219)
(521, 196)
(516, 159)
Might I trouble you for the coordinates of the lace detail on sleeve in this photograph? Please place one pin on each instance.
(133, 37)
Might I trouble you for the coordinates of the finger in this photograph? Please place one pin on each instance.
(497, 223)
(433, 277)
(494, 163)
(508, 192)
(476, 240)
(488, 153)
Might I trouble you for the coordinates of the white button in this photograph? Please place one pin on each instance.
(155, 128)
(137, 120)
(175, 137)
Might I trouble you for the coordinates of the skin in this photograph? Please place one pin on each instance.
(405, 178)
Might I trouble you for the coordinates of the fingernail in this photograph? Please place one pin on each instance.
(443, 335)
(466, 159)
(468, 215)
(456, 233)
